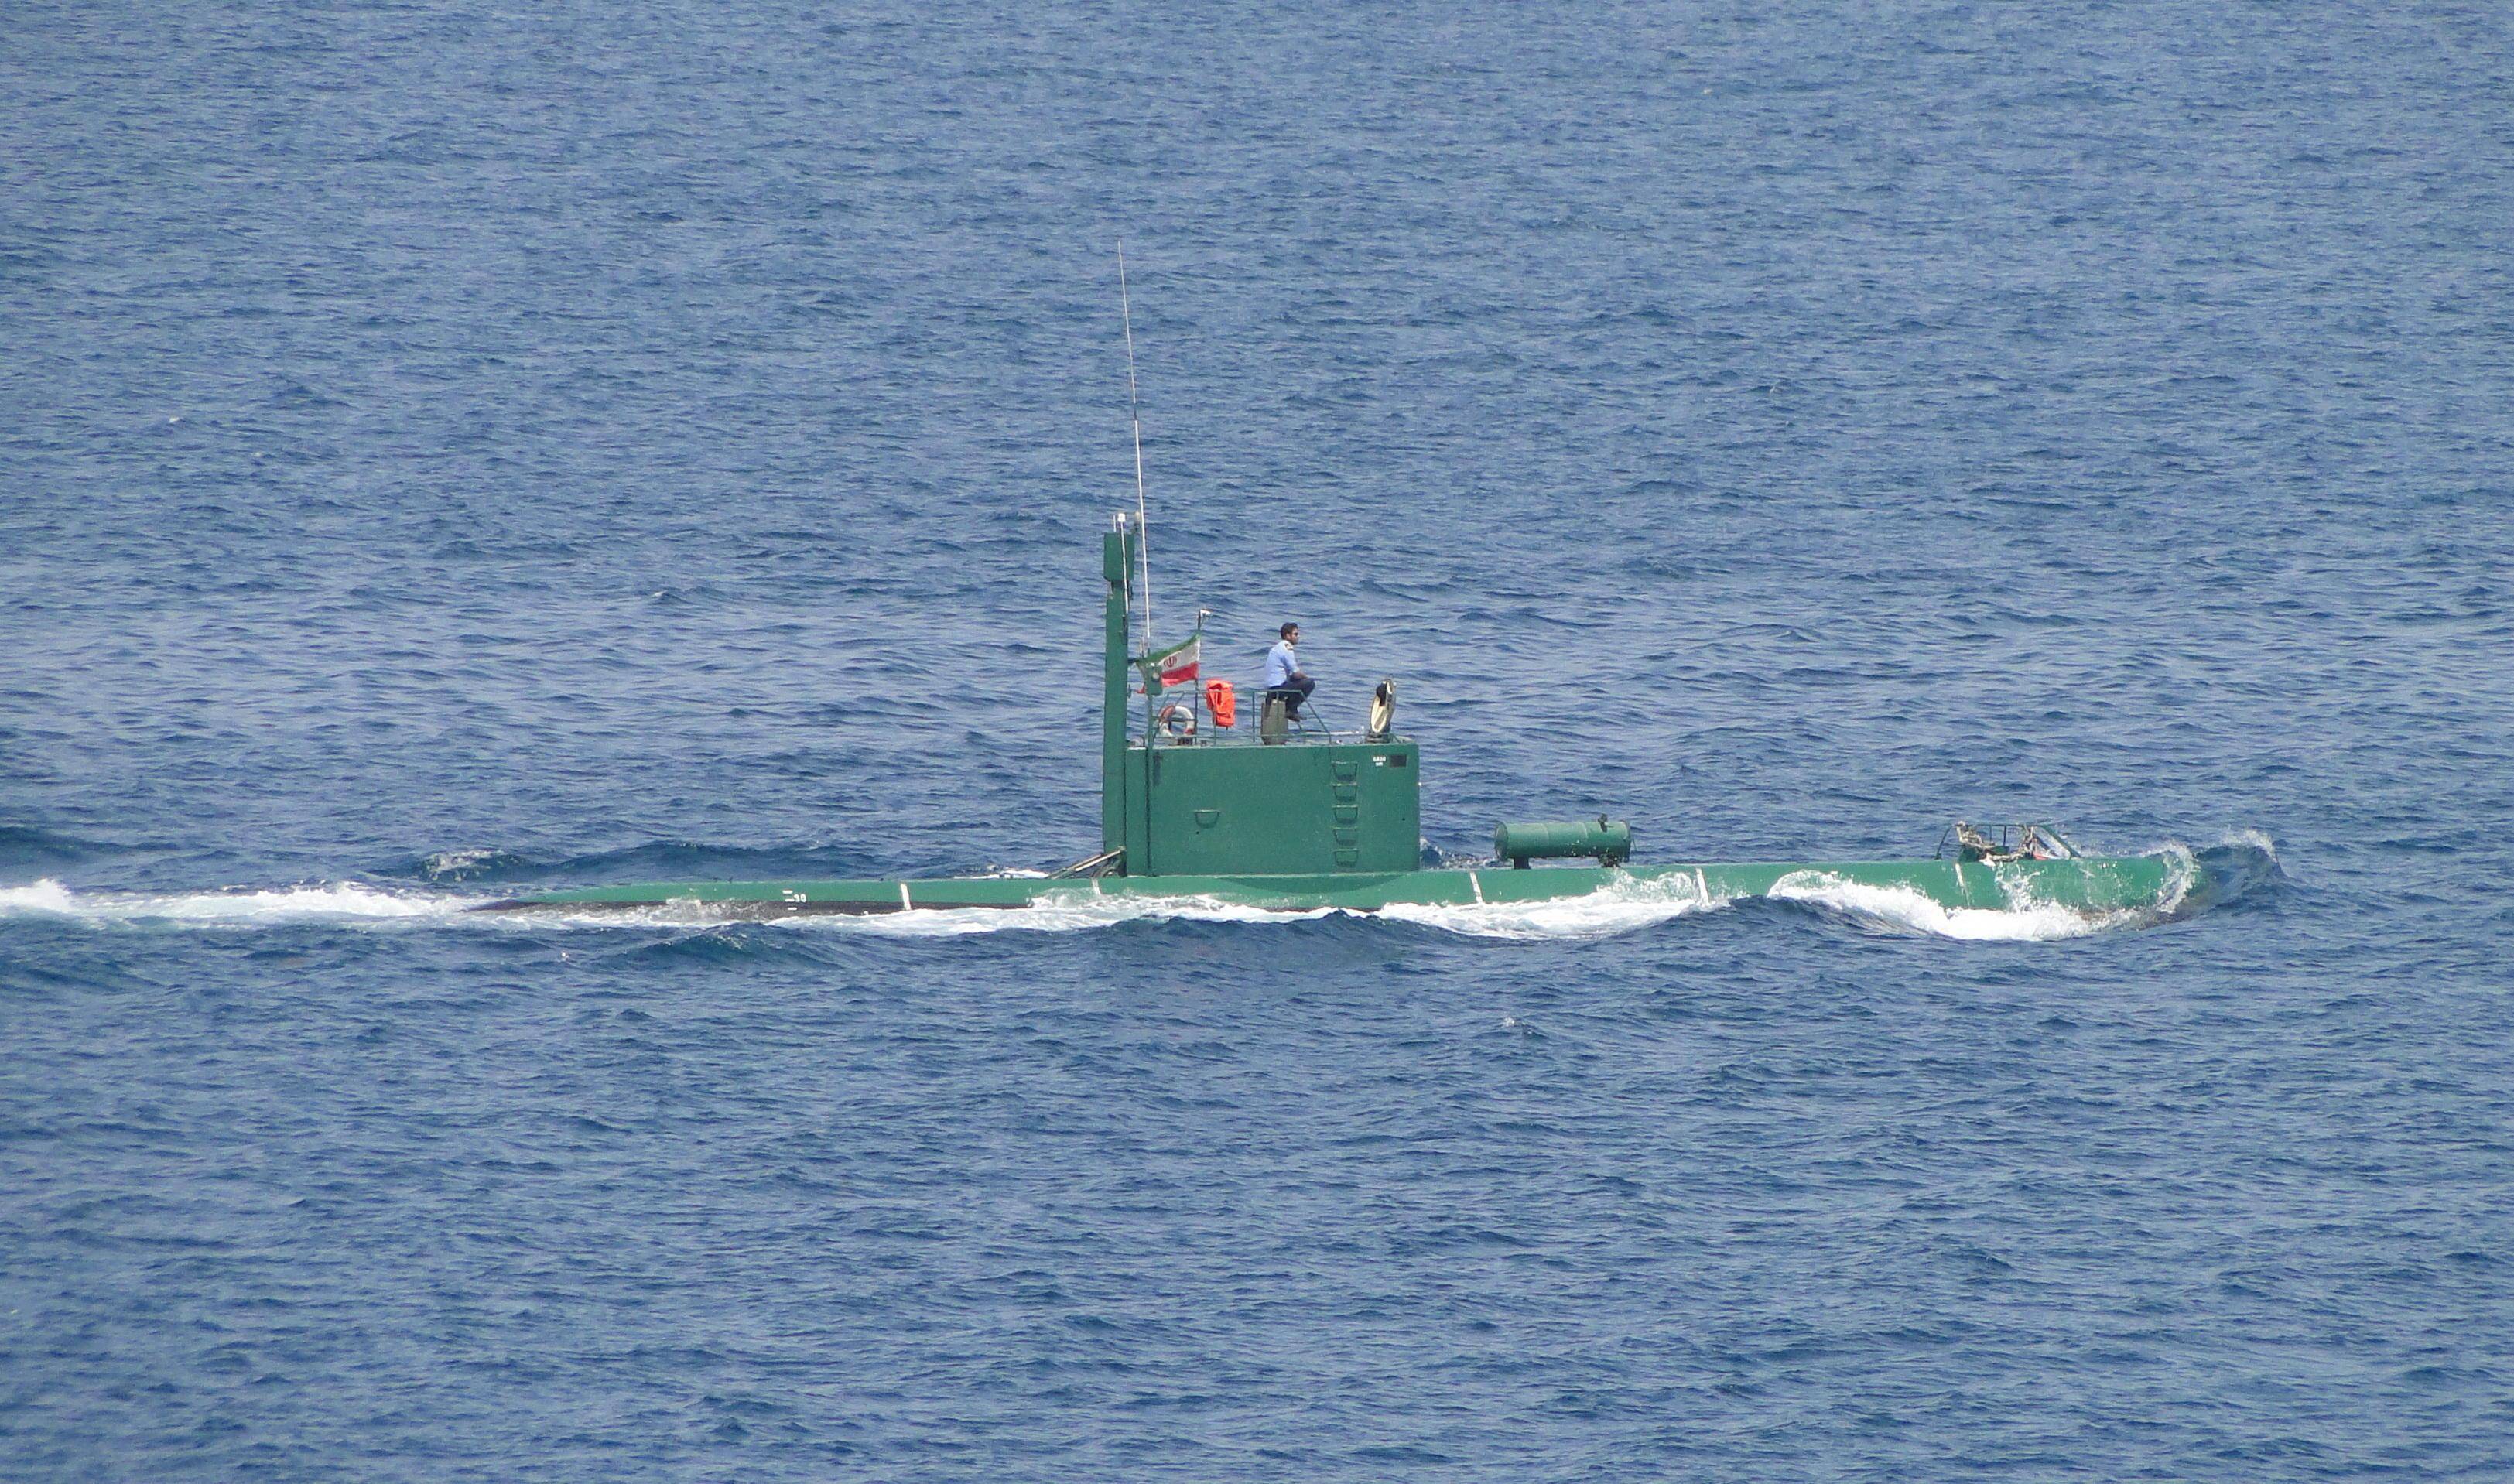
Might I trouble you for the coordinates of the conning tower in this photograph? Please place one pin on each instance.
(1232, 802)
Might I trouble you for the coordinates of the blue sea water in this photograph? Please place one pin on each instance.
(450, 449)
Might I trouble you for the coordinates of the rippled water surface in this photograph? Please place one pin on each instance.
(446, 452)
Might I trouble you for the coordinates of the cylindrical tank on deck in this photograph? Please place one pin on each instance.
(1610, 841)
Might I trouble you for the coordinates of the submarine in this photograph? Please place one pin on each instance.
(1284, 815)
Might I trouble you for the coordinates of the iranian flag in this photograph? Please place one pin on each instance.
(1175, 665)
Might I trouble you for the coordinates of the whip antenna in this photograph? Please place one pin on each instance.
(1134, 414)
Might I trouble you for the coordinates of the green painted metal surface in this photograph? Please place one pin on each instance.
(1609, 842)
(1292, 810)
(2092, 884)
(1117, 567)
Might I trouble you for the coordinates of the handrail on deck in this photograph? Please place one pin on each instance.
(1308, 729)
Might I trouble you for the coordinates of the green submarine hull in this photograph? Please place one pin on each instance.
(2093, 885)
(1284, 817)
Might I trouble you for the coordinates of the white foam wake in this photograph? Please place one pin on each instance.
(1618, 908)
(354, 902)
(1601, 914)
(1622, 907)
(1066, 912)
(1900, 909)
(347, 901)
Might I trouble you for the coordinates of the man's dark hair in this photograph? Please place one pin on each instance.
(1286, 631)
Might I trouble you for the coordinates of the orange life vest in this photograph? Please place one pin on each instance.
(1223, 702)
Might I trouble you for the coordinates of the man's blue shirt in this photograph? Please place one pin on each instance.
(1280, 665)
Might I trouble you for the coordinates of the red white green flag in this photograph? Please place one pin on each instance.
(1175, 665)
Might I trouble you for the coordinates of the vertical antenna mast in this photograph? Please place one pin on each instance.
(1134, 413)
